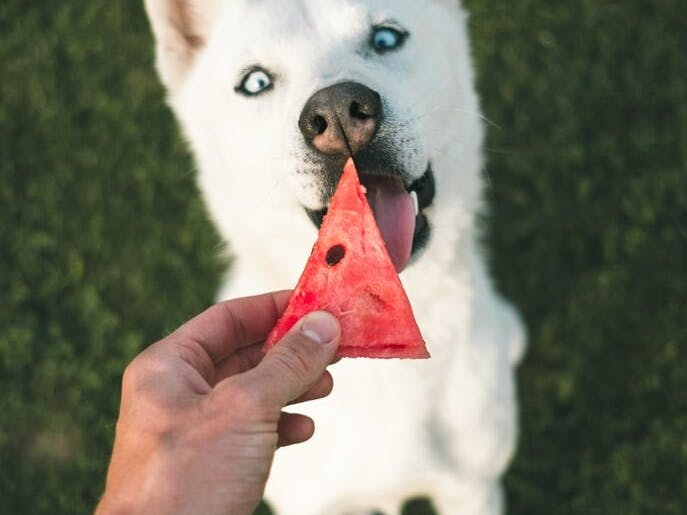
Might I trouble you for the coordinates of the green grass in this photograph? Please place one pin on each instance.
(105, 246)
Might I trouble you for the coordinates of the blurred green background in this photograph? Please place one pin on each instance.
(105, 245)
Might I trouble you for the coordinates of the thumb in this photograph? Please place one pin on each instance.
(295, 364)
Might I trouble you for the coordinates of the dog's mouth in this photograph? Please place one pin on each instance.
(400, 212)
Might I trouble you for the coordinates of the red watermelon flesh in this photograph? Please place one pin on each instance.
(350, 274)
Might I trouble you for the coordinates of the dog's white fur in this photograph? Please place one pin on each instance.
(445, 427)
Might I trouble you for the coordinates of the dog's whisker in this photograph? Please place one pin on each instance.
(434, 109)
(502, 152)
(188, 173)
(488, 179)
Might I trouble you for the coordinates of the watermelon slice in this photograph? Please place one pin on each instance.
(351, 275)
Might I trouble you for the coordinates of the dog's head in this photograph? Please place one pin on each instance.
(274, 96)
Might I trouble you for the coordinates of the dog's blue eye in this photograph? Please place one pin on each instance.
(255, 82)
(385, 39)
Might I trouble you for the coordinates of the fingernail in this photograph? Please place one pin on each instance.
(320, 327)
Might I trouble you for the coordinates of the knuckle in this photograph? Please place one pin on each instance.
(143, 371)
(132, 374)
(144, 405)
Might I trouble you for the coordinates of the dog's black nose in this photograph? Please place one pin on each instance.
(349, 107)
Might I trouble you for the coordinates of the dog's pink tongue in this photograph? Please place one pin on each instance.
(395, 215)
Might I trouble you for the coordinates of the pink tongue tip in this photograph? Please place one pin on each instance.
(395, 216)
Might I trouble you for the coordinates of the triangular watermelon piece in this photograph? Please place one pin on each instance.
(350, 274)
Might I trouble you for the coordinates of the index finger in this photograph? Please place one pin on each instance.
(231, 325)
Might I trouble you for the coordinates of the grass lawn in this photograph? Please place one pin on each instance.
(105, 245)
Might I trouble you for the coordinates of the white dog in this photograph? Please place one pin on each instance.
(269, 93)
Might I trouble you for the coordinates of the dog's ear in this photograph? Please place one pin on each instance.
(180, 28)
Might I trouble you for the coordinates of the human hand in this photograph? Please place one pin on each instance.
(201, 410)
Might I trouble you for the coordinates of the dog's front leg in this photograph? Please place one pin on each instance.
(476, 422)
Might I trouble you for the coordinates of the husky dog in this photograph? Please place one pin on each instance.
(273, 95)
